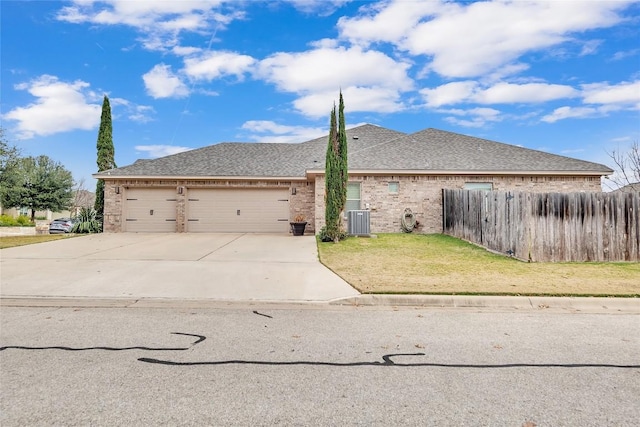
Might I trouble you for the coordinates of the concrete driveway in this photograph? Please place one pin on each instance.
(240, 267)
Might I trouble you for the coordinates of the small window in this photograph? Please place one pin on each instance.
(353, 197)
(483, 186)
(394, 187)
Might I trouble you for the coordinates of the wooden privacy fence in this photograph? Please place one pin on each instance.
(547, 226)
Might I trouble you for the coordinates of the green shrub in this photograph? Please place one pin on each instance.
(7, 221)
(41, 217)
(23, 221)
(87, 222)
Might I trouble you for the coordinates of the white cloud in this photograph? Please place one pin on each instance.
(501, 73)
(449, 93)
(570, 112)
(207, 92)
(621, 139)
(389, 21)
(474, 117)
(161, 82)
(324, 44)
(142, 114)
(363, 99)
(508, 93)
(572, 151)
(155, 151)
(212, 65)
(476, 38)
(324, 68)
(320, 7)
(604, 93)
(59, 107)
(625, 54)
(590, 47)
(185, 50)
(474, 123)
(489, 114)
(135, 112)
(159, 22)
(601, 99)
(500, 93)
(269, 131)
(371, 80)
(133, 13)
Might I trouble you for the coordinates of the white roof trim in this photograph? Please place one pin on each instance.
(200, 178)
(459, 172)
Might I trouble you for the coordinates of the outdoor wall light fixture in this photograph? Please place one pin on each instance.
(293, 191)
(180, 190)
(117, 190)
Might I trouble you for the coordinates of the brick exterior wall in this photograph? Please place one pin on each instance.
(113, 206)
(115, 194)
(423, 195)
(302, 203)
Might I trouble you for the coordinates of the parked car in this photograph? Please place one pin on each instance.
(61, 225)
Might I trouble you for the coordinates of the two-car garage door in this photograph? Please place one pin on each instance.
(208, 210)
(233, 210)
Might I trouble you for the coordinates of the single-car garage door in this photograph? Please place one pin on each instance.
(238, 210)
(150, 210)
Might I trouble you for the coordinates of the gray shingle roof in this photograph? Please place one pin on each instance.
(235, 159)
(438, 150)
(370, 147)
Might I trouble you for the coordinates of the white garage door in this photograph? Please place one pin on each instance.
(150, 210)
(238, 210)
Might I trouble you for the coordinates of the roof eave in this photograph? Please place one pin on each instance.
(313, 172)
(199, 177)
(310, 173)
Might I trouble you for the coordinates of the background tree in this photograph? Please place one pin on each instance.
(106, 154)
(627, 168)
(38, 183)
(336, 175)
(9, 156)
(82, 198)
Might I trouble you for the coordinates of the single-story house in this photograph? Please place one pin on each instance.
(633, 187)
(80, 199)
(261, 187)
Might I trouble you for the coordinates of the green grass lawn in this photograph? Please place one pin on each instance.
(11, 241)
(437, 264)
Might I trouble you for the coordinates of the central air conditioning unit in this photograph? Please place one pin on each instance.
(358, 223)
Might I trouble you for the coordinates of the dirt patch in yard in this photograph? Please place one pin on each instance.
(437, 264)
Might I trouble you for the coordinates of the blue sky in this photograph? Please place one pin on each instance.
(557, 76)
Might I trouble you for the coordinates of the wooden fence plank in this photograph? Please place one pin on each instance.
(547, 226)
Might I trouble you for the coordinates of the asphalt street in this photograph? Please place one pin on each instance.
(317, 365)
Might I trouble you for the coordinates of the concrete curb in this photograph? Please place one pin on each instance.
(145, 302)
(626, 305)
(574, 304)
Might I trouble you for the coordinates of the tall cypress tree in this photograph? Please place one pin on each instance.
(336, 173)
(106, 153)
(332, 197)
(342, 151)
